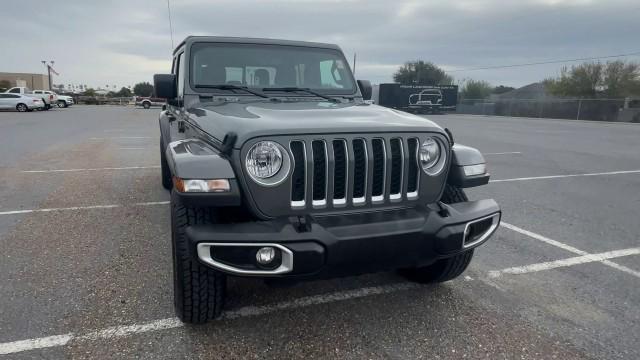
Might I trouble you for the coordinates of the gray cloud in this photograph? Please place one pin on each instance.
(122, 42)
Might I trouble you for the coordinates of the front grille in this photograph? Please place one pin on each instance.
(357, 171)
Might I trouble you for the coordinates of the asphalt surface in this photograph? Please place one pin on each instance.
(96, 282)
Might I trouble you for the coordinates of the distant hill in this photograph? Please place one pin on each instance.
(531, 91)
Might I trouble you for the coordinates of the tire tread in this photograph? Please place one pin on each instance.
(199, 291)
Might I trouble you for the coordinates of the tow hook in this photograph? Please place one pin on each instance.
(443, 211)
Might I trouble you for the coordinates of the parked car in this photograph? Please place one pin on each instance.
(148, 102)
(280, 170)
(20, 102)
(53, 97)
(65, 101)
(46, 98)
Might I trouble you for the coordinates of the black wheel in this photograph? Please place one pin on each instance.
(22, 108)
(444, 269)
(198, 291)
(164, 168)
(146, 105)
(62, 104)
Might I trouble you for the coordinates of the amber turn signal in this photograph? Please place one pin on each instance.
(195, 185)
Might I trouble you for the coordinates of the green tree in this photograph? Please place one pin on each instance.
(143, 89)
(615, 79)
(421, 73)
(621, 79)
(4, 85)
(476, 89)
(89, 92)
(123, 92)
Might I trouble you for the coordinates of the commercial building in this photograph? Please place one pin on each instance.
(32, 81)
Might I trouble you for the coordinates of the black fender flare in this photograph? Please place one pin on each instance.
(467, 157)
(195, 159)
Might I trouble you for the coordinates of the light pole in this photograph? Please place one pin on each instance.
(44, 62)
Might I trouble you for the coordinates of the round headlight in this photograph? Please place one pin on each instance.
(264, 160)
(430, 156)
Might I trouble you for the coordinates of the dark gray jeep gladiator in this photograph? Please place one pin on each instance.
(279, 169)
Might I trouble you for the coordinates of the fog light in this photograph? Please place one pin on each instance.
(265, 255)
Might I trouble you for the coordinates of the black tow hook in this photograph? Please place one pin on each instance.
(443, 211)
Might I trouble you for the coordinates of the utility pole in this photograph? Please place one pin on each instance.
(44, 62)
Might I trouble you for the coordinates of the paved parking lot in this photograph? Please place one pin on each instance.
(86, 257)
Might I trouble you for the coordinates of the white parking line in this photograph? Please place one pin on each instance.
(569, 248)
(566, 176)
(171, 323)
(93, 169)
(503, 153)
(111, 206)
(564, 262)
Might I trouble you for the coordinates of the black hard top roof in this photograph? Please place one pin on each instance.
(247, 40)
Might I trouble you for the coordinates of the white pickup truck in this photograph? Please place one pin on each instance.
(48, 99)
(53, 97)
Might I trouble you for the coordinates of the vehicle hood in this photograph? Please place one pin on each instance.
(262, 118)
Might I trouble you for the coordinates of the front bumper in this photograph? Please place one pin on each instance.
(349, 244)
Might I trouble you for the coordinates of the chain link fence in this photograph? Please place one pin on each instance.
(620, 110)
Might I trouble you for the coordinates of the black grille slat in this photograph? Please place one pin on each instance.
(412, 181)
(396, 166)
(377, 187)
(333, 172)
(360, 168)
(319, 170)
(298, 176)
(340, 169)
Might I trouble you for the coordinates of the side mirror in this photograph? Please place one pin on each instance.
(165, 86)
(365, 89)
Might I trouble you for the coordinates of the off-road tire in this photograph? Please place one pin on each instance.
(164, 169)
(146, 105)
(198, 291)
(62, 104)
(444, 269)
(22, 107)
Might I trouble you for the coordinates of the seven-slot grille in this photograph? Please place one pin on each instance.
(341, 172)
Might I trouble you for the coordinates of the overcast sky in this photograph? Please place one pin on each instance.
(123, 42)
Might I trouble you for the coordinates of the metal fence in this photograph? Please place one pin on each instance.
(103, 100)
(621, 110)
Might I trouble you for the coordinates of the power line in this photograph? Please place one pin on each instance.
(170, 24)
(546, 62)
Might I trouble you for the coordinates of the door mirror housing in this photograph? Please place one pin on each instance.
(165, 86)
(365, 89)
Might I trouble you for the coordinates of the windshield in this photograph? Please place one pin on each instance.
(270, 66)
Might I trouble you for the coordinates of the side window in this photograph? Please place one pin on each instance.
(180, 70)
(15, 91)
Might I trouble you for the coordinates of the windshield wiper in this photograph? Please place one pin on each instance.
(307, 90)
(232, 87)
